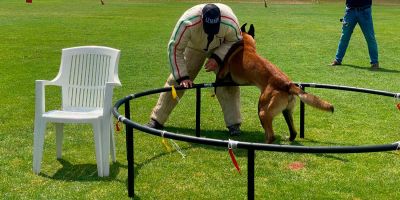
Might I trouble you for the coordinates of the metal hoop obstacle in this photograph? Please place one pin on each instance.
(251, 147)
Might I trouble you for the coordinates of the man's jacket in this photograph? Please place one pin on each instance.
(189, 33)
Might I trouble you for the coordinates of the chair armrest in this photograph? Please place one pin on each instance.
(115, 83)
(108, 97)
(40, 97)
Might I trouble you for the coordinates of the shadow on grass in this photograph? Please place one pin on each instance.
(88, 172)
(246, 136)
(83, 172)
(381, 69)
(251, 137)
(257, 137)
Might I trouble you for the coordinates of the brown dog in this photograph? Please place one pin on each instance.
(277, 90)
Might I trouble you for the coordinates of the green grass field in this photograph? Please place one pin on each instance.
(299, 38)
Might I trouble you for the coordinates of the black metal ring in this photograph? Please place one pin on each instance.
(257, 146)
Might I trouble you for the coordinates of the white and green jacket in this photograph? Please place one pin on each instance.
(189, 33)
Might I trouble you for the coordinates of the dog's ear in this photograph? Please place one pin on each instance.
(251, 31)
(243, 28)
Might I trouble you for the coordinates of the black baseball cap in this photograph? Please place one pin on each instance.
(211, 19)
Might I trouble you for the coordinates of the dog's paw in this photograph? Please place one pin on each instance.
(270, 139)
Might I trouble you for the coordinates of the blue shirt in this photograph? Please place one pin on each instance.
(358, 3)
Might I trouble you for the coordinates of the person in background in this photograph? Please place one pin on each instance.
(205, 31)
(358, 11)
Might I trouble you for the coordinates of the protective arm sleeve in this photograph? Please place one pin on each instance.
(176, 47)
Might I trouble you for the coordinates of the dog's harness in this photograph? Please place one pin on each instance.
(234, 53)
(235, 48)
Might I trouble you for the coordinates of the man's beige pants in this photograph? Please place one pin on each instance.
(228, 97)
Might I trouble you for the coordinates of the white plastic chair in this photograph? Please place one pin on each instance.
(87, 77)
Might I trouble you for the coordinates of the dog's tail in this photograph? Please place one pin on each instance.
(310, 99)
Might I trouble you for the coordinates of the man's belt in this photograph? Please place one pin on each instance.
(360, 8)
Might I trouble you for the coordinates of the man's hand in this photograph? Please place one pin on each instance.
(211, 65)
(187, 83)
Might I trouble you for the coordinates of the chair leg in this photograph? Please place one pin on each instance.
(106, 140)
(59, 138)
(38, 142)
(98, 145)
(112, 147)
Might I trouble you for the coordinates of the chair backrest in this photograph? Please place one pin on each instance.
(83, 74)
